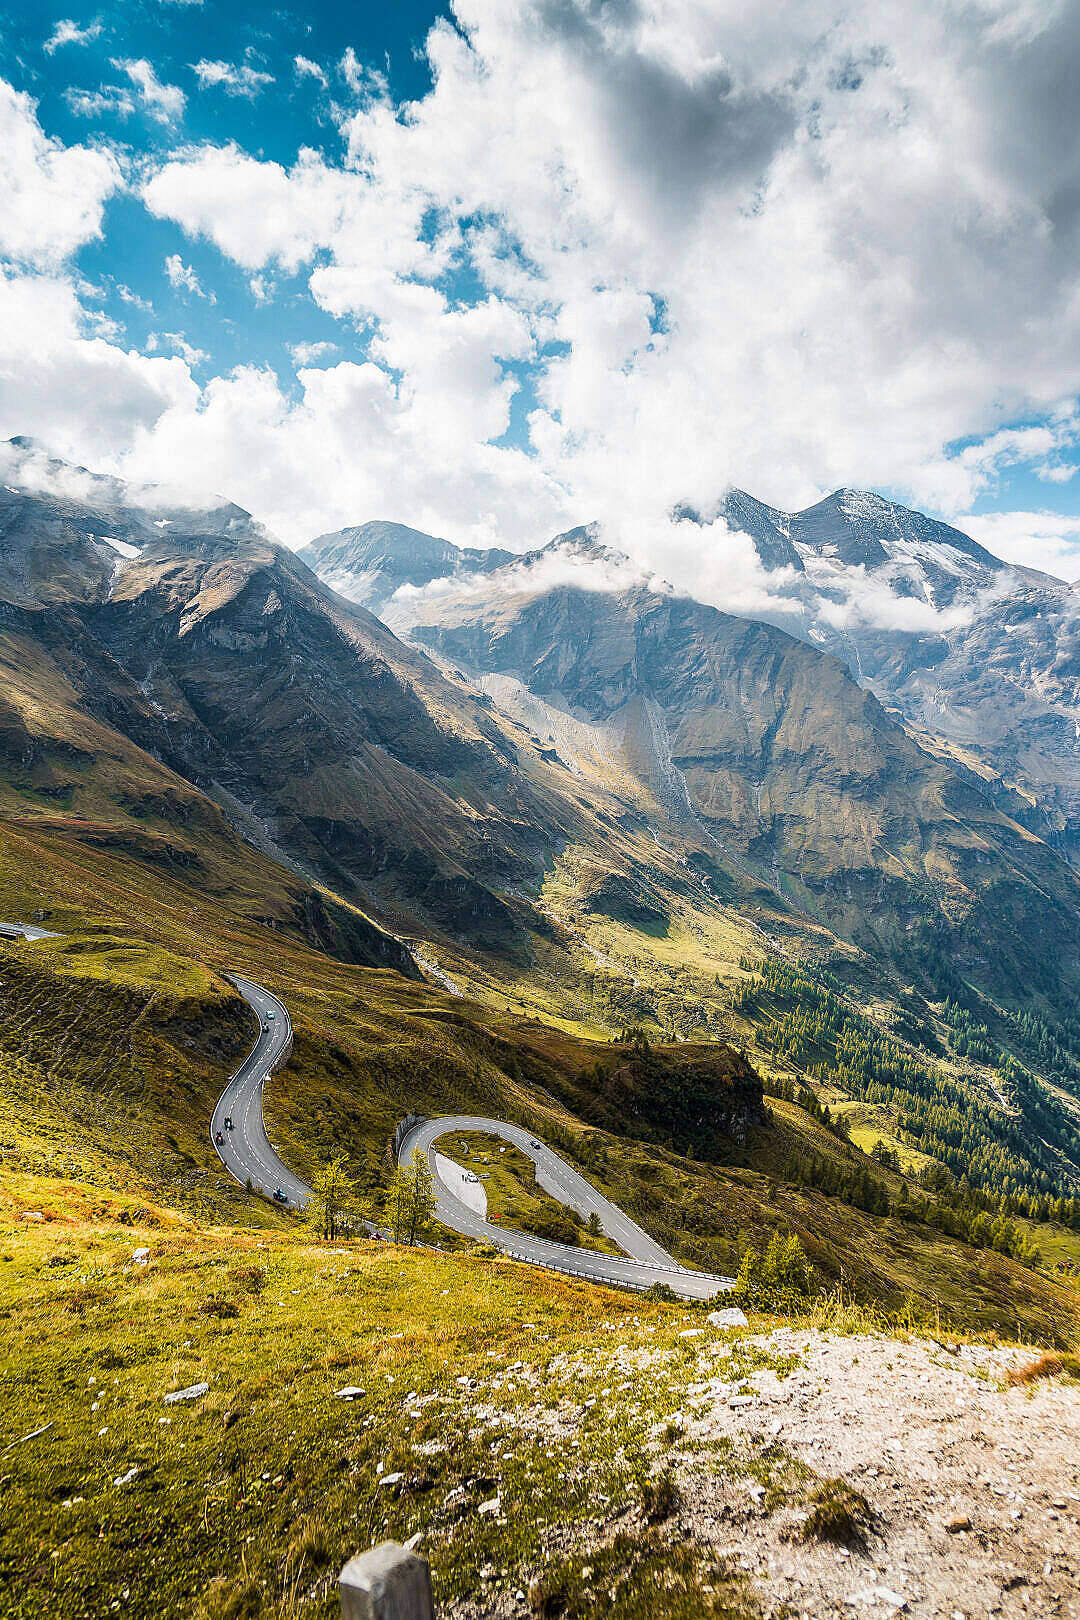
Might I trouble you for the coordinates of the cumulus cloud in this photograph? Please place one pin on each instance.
(795, 246)
(306, 354)
(1048, 541)
(235, 79)
(111, 98)
(50, 367)
(68, 32)
(806, 247)
(54, 195)
(179, 344)
(165, 102)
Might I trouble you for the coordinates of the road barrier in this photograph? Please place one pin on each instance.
(387, 1582)
(402, 1129)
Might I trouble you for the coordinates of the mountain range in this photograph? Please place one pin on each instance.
(551, 800)
(513, 724)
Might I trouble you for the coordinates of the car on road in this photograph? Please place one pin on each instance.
(219, 1139)
(270, 1016)
(280, 1197)
(536, 1144)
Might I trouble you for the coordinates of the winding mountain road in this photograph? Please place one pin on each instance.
(245, 1149)
(645, 1262)
(246, 1153)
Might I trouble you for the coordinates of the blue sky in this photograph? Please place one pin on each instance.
(503, 267)
(272, 119)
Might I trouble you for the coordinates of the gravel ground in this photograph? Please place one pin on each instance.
(974, 1485)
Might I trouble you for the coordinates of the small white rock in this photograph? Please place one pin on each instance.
(491, 1506)
(351, 1392)
(141, 1257)
(192, 1393)
(730, 1316)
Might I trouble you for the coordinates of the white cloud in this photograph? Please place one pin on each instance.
(183, 277)
(306, 354)
(68, 32)
(54, 196)
(793, 246)
(165, 102)
(799, 248)
(235, 79)
(50, 368)
(177, 342)
(305, 68)
(111, 98)
(1049, 541)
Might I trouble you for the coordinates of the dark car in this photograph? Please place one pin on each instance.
(279, 1197)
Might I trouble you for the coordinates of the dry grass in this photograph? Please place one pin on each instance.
(1048, 1365)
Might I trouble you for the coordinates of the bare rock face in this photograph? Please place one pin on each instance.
(992, 679)
(369, 562)
(770, 750)
(441, 787)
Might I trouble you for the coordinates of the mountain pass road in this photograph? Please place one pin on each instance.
(244, 1148)
(645, 1262)
(246, 1153)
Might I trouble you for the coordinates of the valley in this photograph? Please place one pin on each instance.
(588, 865)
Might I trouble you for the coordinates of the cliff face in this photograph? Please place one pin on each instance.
(369, 562)
(553, 714)
(767, 747)
(328, 742)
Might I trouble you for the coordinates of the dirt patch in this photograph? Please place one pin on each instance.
(972, 1481)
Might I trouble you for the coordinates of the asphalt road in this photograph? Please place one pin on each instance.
(246, 1153)
(28, 931)
(245, 1150)
(645, 1263)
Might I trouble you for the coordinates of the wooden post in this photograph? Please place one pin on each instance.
(386, 1583)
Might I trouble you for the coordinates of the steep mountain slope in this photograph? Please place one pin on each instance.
(369, 562)
(982, 656)
(769, 747)
(980, 660)
(636, 801)
(327, 742)
(917, 556)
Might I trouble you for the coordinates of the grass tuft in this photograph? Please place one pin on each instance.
(1048, 1365)
(838, 1513)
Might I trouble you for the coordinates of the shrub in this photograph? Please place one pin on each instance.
(780, 1279)
(217, 1305)
(248, 1279)
(1045, 1366)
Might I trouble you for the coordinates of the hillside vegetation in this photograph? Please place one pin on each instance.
(116, 1038)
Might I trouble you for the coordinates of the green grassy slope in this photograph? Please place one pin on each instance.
(116, 1039)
